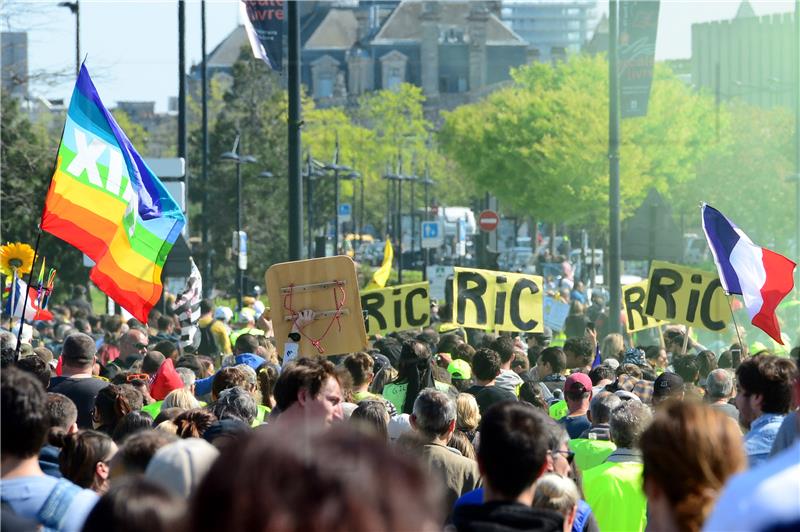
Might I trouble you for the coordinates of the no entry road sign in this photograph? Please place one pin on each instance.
(488, 221)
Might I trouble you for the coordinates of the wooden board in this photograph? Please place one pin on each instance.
(312, 284)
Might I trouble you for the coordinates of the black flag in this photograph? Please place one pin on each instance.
(637, 49)
(263, 22)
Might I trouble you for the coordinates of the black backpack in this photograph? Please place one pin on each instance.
(208, 344)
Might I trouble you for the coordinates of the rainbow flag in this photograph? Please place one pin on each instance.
(105, 201)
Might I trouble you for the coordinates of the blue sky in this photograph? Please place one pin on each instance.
(132, 46)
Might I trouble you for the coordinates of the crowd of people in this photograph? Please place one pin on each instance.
(110, 425)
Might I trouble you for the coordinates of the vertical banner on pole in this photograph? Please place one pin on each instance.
(263, 22)
(637, 48)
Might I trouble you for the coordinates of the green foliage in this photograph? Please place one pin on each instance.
(135, 132)
(541, 144)
(746, 176)
(26, 164)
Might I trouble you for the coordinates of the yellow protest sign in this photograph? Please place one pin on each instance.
(500, 301)
(396, 308)
(686, 295)
(634, 297)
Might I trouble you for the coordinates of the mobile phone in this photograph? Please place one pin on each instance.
(590, 325)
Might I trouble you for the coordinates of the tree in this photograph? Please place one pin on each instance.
(254, 106)
(541, 144)
(26, 165)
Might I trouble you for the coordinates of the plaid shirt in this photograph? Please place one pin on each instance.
(644, 390)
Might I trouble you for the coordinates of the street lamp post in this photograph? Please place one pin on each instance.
(426, 182)
(235, 156)
(75, 8)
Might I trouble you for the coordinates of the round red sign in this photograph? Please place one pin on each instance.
(488, 221)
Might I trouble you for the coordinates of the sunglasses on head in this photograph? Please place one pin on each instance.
(138, 376)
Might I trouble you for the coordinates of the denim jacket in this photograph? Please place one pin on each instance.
(758, 442)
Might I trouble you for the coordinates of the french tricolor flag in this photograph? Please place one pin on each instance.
(762, 277)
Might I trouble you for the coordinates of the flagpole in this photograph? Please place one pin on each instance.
(27, 291)
(735, 325)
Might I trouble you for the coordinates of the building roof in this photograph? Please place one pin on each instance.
(745, 10)
(338, 30)
(227, 52)
(403, 24)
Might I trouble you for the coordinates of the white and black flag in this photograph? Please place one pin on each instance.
(187, 307)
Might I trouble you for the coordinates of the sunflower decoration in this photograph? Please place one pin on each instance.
(16, 257)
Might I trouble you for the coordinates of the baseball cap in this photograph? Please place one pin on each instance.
(459, 369)
(246, 315)
(634, 356)
(223, 313)
(612, 363)
(667, 383)
(79, 349)
(578, 382)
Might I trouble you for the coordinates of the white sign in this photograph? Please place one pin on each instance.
(345, 212)
(437, 280)
(239, 250)
(555, 313)
(432, 235)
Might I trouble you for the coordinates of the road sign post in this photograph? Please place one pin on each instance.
(432, 235)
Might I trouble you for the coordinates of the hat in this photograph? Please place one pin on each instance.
(667, 383)
(259, 307)
(223, 313)
(459, 369)
(634, 356)
(79, 350)
(627, 396)
(246, 315)
(166, 380)
(578, 382)
(612, 363)
(225, 428)
(380, 362)
(152, 361)
(181, 465)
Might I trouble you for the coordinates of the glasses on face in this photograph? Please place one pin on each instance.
(140, 346)
(569, 455)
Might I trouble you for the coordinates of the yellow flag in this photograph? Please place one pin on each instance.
(381, 275)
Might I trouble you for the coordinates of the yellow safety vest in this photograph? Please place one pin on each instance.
(614, 492)
(590, 453)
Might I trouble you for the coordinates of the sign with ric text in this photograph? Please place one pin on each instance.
(396, 308)
(634, 297)
(686, 295)
(501, 301)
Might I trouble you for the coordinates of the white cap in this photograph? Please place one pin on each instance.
(399, 425)
(223, 313)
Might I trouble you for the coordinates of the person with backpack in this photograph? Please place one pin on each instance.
(214, 331)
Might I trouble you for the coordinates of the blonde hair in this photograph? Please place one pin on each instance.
(180, 398)
(613, 347)
(167, 426)
(554, 492)
(468, 415)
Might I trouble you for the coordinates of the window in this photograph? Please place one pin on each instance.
(324, 87)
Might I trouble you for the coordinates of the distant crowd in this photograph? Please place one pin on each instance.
(112, 425)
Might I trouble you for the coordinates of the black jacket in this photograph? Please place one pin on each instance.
(499, 516)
